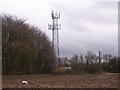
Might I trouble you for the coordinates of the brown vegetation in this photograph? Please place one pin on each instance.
(108, 80)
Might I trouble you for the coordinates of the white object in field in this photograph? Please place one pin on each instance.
(24, 82)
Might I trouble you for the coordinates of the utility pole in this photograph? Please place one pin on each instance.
(55, 36)
(99, 61)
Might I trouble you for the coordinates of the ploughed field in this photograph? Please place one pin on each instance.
(107, 80)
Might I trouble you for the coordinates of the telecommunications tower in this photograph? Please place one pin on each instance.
(55, 35)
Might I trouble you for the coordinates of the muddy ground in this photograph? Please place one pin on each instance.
(108, 80)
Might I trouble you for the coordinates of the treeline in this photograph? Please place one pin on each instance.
(92, 63)
(25, 48)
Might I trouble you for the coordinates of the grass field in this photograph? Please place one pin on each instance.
(107, 80)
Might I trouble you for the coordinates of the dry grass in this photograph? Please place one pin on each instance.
(62, 81)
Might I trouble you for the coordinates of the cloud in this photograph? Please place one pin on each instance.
(94, 28)
(85, 25)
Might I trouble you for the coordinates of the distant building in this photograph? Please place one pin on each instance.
(63, 69)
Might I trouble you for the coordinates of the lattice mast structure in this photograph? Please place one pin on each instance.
(55, 36)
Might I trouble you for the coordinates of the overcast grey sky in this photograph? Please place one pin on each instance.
(85, 25)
